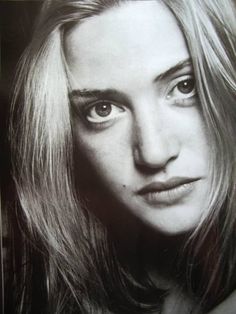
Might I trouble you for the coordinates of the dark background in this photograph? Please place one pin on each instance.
(16, 27)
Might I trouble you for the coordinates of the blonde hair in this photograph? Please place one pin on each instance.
(209, 28)
(72, 240)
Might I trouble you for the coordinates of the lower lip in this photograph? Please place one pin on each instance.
(169, 197)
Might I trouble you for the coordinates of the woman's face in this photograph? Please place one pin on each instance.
(137, 116)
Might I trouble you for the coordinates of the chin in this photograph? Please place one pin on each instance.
(171, 221)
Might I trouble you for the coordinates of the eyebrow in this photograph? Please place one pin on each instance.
(172, 70)
(98, 94)
(112, 93)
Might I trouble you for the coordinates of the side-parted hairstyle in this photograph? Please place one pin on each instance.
(81, 271)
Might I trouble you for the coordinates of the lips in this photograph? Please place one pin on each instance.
(168, 192)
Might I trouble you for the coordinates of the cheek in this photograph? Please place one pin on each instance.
(194, 134)
(109, 152)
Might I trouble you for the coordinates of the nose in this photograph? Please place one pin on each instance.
(155, 144)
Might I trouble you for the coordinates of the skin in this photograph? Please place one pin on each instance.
(134, 121)
(154, 132)
(226, 307)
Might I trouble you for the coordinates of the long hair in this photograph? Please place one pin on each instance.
(210, 31)
(81, 269)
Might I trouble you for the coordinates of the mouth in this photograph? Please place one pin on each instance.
(168, 192)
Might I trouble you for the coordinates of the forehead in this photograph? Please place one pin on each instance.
(140, 37)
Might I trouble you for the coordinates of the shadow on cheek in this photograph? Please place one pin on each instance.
(96, 198)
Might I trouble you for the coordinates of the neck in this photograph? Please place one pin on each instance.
(161, 254)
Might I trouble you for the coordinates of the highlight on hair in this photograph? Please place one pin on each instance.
(71, 240)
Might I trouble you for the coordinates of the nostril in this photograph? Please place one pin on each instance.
(153, 168)
(154, 145)
(146, 169)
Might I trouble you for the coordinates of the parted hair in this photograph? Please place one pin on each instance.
(81, 270)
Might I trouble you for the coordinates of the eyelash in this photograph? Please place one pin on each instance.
(182, 99)
(92, 117)
(107, 113)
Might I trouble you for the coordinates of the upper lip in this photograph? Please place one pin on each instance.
(159, 186)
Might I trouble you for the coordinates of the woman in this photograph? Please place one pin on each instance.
(123, 143)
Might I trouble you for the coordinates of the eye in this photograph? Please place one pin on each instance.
(103, 111)
(184, 88)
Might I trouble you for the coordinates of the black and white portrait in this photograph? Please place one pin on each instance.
(119, 147)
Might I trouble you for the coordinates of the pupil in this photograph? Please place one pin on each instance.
(103, 110)
(186, 87)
